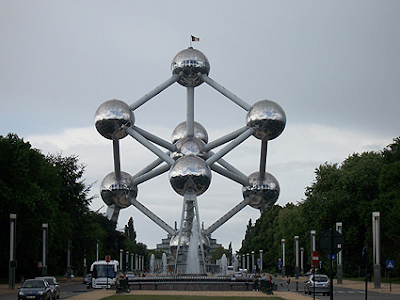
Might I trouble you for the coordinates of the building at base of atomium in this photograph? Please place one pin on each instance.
(189, 160)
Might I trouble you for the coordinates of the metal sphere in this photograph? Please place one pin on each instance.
(187, 64)
(110, 116)
(185, 241)
(118, 192)
(190, 173)
(189, 146)
(262, 193)
(180, 132)
(267, 118)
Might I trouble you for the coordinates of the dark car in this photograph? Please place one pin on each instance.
(37, 289)
(54, 286)
(318, 283)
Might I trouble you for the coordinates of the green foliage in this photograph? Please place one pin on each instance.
(50, 189)
(348, 192)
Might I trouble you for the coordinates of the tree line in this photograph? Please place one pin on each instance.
(348, 192)
(50, 189)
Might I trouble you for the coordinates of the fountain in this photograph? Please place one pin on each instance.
(193, 261)
(152, 264)
(164, 264)
(224, 264)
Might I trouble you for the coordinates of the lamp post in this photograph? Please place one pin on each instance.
(248, 262)
(283, 257)
(302, 260)
(339, 228)
(121, 253)
(261, 260)
(243, 261)
(376, 229)
(253, 267)
(45, 227)
(313, 246)
(296, 246)
(13, 261)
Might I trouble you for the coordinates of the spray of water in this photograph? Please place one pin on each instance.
(193, 261)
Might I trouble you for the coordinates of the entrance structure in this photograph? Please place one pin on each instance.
(189, 159)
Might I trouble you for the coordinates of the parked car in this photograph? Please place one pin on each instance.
(130, 275)
(54, 286)
(37, 289)
(321, 284)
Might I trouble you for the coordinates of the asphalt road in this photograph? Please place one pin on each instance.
(66, 291)
(339, 293)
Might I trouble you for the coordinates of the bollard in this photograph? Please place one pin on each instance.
(297, 286)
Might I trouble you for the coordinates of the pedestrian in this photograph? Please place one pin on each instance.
(255, 283)
(287, 283)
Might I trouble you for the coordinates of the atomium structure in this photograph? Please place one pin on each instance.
(189, 157)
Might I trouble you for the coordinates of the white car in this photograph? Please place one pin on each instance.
(318, 283)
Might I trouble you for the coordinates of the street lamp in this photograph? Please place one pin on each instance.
(13, 261)
(44, 254)
(283, 257)
(296, 246)
(261, 260)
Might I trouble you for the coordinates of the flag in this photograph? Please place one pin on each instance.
(195, 39)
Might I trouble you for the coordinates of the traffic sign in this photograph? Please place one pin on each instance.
(331, 241)
(108, 258)
(315, 258)
(390, 264)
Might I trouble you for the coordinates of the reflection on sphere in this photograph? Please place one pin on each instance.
(118, 192)
(189, 65)
(262, 193)
(190, 173)
(189, 146)
(110, 116)
(267, 118)
(180, 132)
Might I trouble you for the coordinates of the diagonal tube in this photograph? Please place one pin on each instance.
(154, 92)
(230, 146)
(227, 216)
(225, 92)
(224, 139)
(155, 139)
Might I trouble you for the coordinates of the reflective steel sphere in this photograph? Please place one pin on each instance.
(118, 192)
(267, 118)
(189, 146)
(185, 241)
(190, 173)
(180, 132)
(110, 116)
(262, 193)
(187, 64)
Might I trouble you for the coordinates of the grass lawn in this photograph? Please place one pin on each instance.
(174, 297)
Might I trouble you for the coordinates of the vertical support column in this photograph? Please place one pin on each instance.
(283, 257)
(131, 261)
(313, 245)
(84, 264)
(376, 228)
(296, 246)
(302, 260)
(117, 164)
(13, 261)
(243, 261)
(44, 248)
(253, 267)
(143, 263)
(136, 262)
(140, 263)
(263, 158)
(339, 275)
(248, 262)
(261, 258)
(190, 112)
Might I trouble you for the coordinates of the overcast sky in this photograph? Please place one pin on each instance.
(333, 66)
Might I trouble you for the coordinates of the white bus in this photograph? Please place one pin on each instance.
(103, 273)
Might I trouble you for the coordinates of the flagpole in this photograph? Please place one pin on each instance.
(191, 41)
